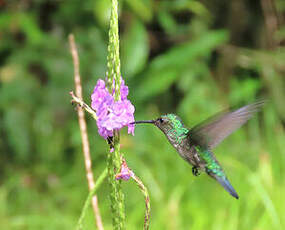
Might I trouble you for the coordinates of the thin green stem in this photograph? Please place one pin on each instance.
(89, 198)
(147, 200)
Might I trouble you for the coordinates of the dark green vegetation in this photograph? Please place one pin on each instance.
(185, 57)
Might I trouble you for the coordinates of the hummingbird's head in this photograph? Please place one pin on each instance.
(168, 122)
(165, 123)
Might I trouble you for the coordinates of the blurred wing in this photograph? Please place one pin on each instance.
(214, 130)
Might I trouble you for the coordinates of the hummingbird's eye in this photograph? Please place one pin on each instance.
(161, 120)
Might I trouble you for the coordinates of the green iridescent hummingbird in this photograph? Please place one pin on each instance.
(195, 145)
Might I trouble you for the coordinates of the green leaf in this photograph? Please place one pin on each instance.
(182, 54)
(135, 48)
(244, 90)
(31, 29)
(102, 11)
(142, 8)
(168, 23)
(153, 86)
(166, 68)
(16, 123)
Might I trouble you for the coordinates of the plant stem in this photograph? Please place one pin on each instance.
(114, 159)
(83, 105)
(83, 130)
(116, 194)
(113, 59)
(147, 200)
(89, 198)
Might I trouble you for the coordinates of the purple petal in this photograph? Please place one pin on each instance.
(124, 90)
(99, 94)
(131, 129)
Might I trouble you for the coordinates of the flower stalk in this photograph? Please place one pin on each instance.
(113, 59)
(114, 158)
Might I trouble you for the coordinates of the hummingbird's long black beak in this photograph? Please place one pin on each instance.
(142, 122)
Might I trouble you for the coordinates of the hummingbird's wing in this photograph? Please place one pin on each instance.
(215, 129)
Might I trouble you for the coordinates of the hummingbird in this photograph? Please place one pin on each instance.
(195, 145)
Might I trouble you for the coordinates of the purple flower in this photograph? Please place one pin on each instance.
(112, 114)
(124, 90)
(125, 172)
(99, 94)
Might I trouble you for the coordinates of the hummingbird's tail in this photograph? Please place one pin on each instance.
(225, 183)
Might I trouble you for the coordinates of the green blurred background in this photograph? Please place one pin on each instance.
(193, 58)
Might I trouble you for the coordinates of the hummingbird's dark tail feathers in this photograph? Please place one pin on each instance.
(225, 183)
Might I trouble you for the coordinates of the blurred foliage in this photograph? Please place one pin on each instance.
(188, 57)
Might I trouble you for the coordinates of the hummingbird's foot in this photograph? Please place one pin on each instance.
(195, 171)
